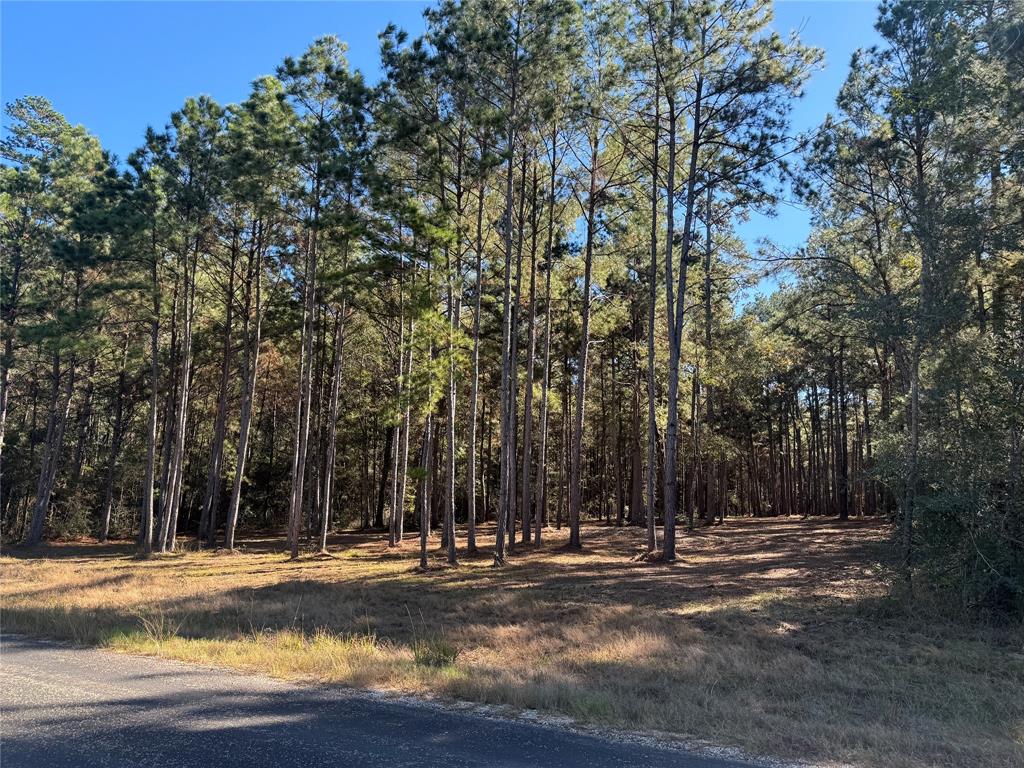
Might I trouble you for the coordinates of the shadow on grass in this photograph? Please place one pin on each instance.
(775, 636)
(173, 716)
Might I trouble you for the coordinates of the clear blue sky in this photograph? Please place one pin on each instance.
(116, 67)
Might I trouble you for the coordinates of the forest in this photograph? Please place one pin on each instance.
(502, 289)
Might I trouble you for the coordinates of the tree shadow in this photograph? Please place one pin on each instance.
(788, 621)
(234, 722)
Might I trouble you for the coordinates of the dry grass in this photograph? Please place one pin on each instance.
(773, 636)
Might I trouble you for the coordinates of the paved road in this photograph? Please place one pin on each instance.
(68, 707)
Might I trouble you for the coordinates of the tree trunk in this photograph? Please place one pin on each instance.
(400, 379)
(84, 417)
(332, 423)
(531, 347)
(425, 501)
(575, 478)
(146, 516)
(507, 405)
(709, 402)
(513, 467)
(169, 519)
(254, 308)
(475, 375)
(115, 445)
(668, 546)
(60, 405)
(652, 414)
(14, 267)
(403, 463)
(305, 403)
(449, 397)
(211, 499)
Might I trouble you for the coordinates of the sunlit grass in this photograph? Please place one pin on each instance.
(777, 637)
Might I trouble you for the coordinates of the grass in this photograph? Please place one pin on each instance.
(777, 637)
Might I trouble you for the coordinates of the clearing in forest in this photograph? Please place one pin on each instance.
(776, 636)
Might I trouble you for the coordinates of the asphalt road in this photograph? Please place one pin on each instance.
(78, 708)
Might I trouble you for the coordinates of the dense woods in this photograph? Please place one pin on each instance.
(503, 286)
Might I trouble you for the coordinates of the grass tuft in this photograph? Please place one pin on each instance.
(158, 626)
(435, 652)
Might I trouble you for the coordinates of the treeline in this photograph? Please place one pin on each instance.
(504, 284)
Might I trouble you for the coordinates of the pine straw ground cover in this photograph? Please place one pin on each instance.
(774, 636)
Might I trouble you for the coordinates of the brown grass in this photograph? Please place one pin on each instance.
(775, 636)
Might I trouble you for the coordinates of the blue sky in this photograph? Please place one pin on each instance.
(116, 67)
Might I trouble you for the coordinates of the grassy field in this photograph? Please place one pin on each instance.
(773, 636)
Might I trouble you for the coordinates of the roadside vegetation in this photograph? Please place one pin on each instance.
(777, 637)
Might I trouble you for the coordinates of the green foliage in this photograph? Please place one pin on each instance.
(435, 652)
(331, 220)
(911, 190)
